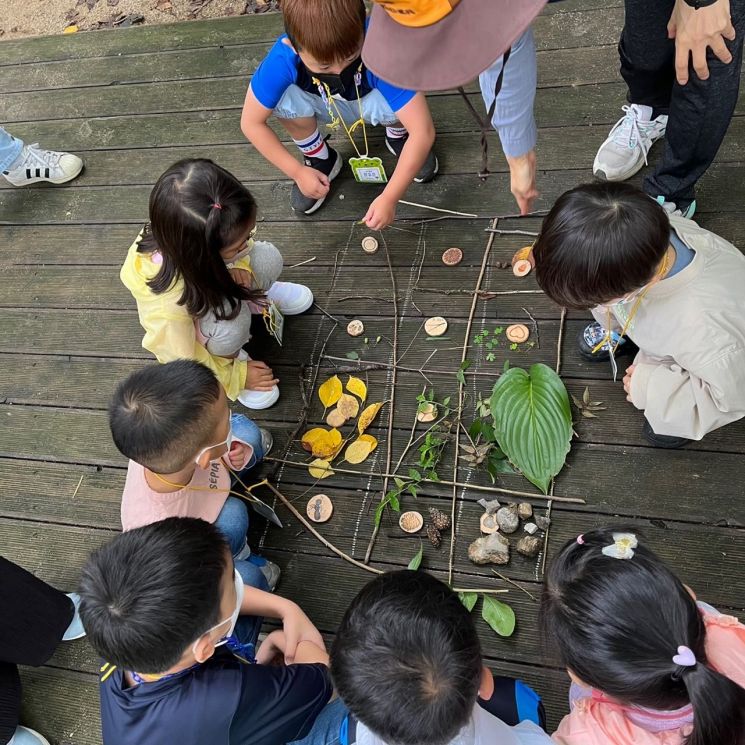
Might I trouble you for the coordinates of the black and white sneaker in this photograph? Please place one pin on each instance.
(427, 172)
(330, 167)
(668, 442)
(36, 164)
(590, 337)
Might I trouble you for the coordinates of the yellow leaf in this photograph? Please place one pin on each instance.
(369, 438)
(330, 391)
(367, 416)
(327, 446)
(71, 30)
(358, 387)
(312, 436)
(358, 451)
(320, 469)
(348, 406)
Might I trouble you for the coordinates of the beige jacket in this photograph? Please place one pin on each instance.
(690, 329)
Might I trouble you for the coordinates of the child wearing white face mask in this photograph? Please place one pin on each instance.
(165, 608)
(187, 454)
(198, 277)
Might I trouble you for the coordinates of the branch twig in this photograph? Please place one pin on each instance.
(514, 584)
(370, 365)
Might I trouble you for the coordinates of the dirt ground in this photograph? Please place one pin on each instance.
(21, 18)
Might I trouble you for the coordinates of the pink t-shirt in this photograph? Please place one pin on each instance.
(203, 497)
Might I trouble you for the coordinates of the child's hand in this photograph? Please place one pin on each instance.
(312, 183)
(259, 376)
(380, 214)
(272, 649)
(627, 381)
(242, 277)
(238, 454)
(298, 628)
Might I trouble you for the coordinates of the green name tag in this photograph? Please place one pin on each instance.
(274, 321)
(368, 170)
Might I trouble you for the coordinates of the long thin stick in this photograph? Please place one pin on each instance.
(302, 263)
(499, 231)
(514, 584)
(475, 487)
(371, 365)
(464, 352)
(436, 209)
(481, 294)
(391, 407)
(561, 337)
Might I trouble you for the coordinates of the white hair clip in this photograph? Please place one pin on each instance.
(622, 547)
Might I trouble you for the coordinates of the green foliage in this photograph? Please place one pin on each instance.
(468, 599)
(533, 421)
(498, 615)
(460, 375)
(352, 356)
(416, 562)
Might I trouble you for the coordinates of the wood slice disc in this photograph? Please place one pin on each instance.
(521, 268)
(411, 522)
(517, 333)
(524, 254)
(369, 244)
(452, 257)
(356, 328)
(488, 523)
(435, 326)
(427, 413)
(319, 508)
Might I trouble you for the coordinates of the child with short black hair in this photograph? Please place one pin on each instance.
(660, 281)
(198, 277)
(176, 626)
(649, 664)
(187, 453)
(315, 73)
(406, 662)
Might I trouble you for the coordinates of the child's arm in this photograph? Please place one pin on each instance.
(254, 125)
(297, 627)
(417, 120)
(275, 644)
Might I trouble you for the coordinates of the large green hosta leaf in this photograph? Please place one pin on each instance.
(533, 421)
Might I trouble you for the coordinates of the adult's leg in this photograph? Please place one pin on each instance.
(699, 115)
(647, 55)
(10, 701)
(10, 149)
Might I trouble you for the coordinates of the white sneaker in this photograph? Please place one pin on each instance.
(625, 150)
(267, 441)
(35, 164)
(259, 399)
(672, 209)
(26, 736)
(75, 630)
(290, 298)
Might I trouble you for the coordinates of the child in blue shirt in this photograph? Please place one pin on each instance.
(315, 73)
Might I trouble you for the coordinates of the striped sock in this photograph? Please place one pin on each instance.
(313, 146)
(395, 133)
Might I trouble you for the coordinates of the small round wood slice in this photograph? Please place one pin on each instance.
(369, 244)
(452, 257)
(524, 254)
(426, 413)
(521, 268)
(356, 328)
(488, 523)
(435, 326)
(517, 333)
(411, 522)
(319, 508)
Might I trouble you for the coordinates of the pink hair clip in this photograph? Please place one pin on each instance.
(217, 206)
(581, 540)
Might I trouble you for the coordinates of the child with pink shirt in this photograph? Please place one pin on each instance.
(187, 452)
(649, 665)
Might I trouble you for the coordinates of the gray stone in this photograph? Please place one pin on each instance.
(529, 546)
(525, 510)
(530, 528)
(508, 519)
(542, 521)
(490, 506)
(490, 549)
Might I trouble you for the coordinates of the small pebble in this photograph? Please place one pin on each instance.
(435, 326)
(508, 519)
(490, 549)
(543, 521)
(355, 328)
(525, 510)
(490, 506)
(529, 546)
(530, 528)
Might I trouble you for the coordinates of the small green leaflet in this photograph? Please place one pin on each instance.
(415, 563)
(468, 599)
(352, 356)
(461, 370)
(498, 615)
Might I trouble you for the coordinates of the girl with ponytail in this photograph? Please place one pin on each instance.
(649, 665)
(198, 275)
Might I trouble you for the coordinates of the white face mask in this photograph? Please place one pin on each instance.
(227, 443)
(233, 619)
(244, 251)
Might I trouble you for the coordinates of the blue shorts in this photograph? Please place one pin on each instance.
(297, 103)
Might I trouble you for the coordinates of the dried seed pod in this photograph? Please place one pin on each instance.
(439, 519)
(411, 522)
(517, 333)
(434, 535)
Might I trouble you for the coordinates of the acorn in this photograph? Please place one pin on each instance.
(440, 520)
(434, 535)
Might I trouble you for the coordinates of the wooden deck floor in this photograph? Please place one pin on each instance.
(133, 101)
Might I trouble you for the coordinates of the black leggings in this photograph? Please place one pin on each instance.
(699, 112)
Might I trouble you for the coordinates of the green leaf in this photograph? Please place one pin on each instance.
(497, 464)
(417, 560)
(395, 504)
(498, 330)
(490, 357)
(533, 421)
(513, 346)
(352, 356)
(379, 510)
(414, 474)
(505, 368)
(400, 483)
(468, 599)
(412, 489)
(474, 431)
(498, 615)
(485, 332)
(463, 367)
(446, 401)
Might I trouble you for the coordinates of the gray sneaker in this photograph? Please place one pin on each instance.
(267, 441)
(330, 167)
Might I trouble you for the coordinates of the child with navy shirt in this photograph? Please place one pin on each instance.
(314, 73)
(165, 608)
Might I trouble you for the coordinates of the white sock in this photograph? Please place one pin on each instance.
(395, 133)
(643, 113)
(314, 146)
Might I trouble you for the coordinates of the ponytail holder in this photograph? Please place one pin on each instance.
(581, 540)
(685, 657)
(217, 206)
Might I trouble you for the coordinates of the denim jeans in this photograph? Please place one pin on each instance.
(326, 729)
(10, 149)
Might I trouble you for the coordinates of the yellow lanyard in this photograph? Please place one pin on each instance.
(336, 116)
(248, 489)
(608, 338)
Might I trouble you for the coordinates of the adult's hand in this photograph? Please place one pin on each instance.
(695, 31)
(522, 180)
